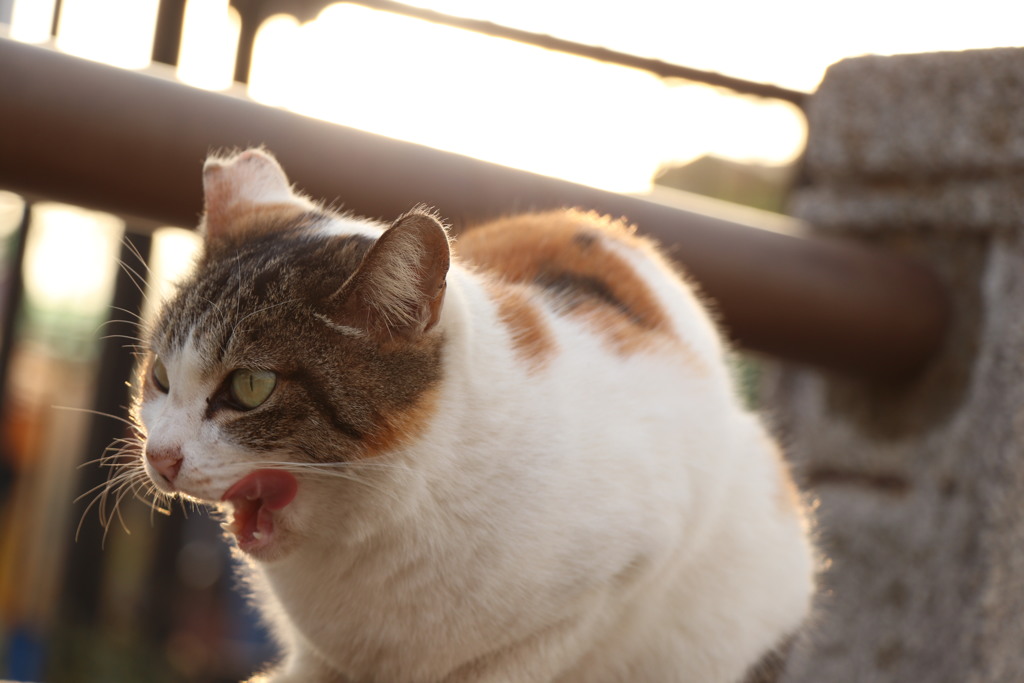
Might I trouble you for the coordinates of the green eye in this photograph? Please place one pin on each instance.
(250, 388)
(159, 373)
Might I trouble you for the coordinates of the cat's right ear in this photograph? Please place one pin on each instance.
(398, 290)
(239, 188)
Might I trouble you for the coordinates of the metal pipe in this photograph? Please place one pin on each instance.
(132, 143)
(603, 54)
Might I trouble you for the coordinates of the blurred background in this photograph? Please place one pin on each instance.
(151, 596)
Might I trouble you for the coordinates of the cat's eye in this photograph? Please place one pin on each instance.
(159, 373)
(250, 388)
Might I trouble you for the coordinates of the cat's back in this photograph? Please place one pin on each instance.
(568, 268)
(628, 409)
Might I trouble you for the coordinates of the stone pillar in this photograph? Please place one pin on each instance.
(921, 485)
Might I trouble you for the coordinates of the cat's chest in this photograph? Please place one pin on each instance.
(385, 609)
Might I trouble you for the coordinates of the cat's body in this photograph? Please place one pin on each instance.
(526, 464)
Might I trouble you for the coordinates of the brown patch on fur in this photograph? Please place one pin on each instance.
(398, 428)
(565, 254)
(623, 334)
(531, 338)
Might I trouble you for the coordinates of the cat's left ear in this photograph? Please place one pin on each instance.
(398, 289)
(237, 189)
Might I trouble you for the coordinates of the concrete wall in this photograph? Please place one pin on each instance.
(921, 485)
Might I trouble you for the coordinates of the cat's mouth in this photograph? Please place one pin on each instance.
(255, 499)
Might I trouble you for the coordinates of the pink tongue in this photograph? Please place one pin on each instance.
(276, 487)
(253, 498)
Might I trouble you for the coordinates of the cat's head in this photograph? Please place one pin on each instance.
(303, 341)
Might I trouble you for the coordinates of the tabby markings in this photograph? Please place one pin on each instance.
(532, 339)
(568, 257)
(400, 427)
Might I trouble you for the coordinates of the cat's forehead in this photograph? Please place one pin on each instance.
(190, 365)
(254, 287)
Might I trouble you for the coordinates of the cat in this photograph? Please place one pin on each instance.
(517, 456)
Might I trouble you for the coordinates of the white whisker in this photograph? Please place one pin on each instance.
(127, 311)
(137, 278)
(115, 480)
(136, 253)
(98, 413)
(137, 343)
(127, 488)
(126, 477)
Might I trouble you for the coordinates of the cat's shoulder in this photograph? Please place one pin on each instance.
(567, 239)
(577, 265)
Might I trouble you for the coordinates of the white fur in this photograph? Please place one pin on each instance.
(352, 225)
(584, 525)
(602, 519)
(210, 464)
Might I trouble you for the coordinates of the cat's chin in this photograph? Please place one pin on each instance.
(256, 499)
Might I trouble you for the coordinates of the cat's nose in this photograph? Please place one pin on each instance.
(166, 461)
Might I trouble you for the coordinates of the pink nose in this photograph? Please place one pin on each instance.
(166, 461)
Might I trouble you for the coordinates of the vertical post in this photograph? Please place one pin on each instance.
(15, 287)
(169, 26)
(254, 12)
(57, 6)
(112, 396)
(251, 19)
(920, 483)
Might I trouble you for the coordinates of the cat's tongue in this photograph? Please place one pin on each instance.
(254, 498)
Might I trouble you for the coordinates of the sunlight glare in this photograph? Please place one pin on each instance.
(209, 44)
(116, 32)
(11, 208)
(455, 90)
(32, 20)
(174, 250)
(696, 120)
(68, 258)
(275, 61)
(787, 42)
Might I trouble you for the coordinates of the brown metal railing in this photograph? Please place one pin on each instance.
(133, 144)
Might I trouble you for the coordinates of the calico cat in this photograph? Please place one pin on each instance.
(516, 457)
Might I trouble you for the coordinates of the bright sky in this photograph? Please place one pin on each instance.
(64, 247)
(543, 111)
(585, 121)
(788, 42)
(529, 108)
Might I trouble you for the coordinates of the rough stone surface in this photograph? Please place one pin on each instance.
(917, 141)
(919, 116)
(979, 205)
(921, 486)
